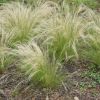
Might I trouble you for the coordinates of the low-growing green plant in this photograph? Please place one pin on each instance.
(94, 75)
(38, 68)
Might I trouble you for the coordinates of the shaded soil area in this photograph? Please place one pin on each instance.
(14, 86)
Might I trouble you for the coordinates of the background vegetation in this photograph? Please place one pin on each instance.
(41, 36)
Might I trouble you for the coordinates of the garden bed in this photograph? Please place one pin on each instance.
(50, 50)
(14, 86)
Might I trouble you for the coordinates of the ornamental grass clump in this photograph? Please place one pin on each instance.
(22, 20)
(17, 25)
(63, 32)
(5, 51)
(92, 50)
(36, 65)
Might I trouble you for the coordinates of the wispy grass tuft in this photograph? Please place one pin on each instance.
(5, 51)
(92, 49)
(63, 32)
(22, 20)
(38, 68)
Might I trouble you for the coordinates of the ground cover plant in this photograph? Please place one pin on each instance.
(93, 47)
(48, 43)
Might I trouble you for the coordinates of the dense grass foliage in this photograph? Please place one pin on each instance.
(37, 66)
(5, 50)
(89, 3)
(21, 20)
(63, 35)
(42, 37)
(92, 47)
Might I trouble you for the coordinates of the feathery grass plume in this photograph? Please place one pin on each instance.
(92, 51)
(63, 30)
(22, 20)
(36, 65)
(91, 48)
(5, 50)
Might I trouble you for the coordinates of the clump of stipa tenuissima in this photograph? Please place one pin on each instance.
(92, 50)
(63, 32)
(5, 50)
(38, 68)
(22, 19)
